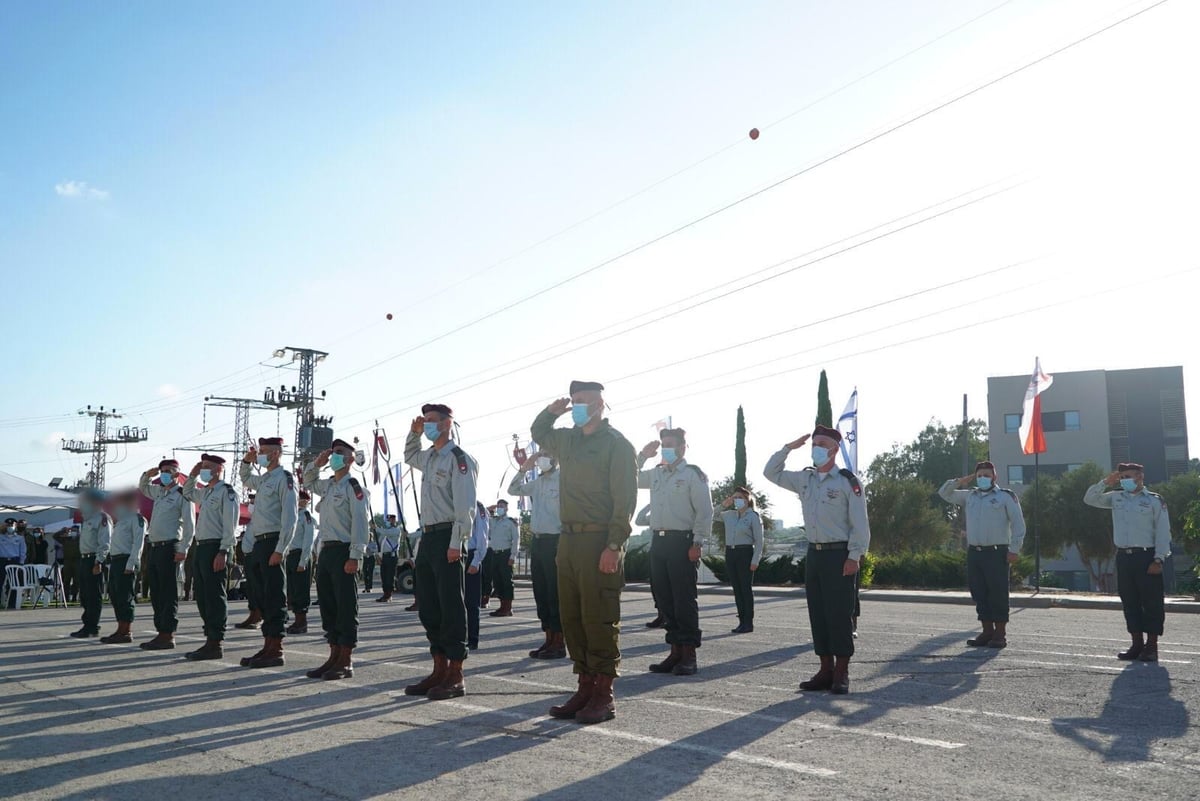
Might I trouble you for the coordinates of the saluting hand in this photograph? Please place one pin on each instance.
(195, 470)
(251, 456)
(850, 568)
(1112, 478)
(323, 457)
(559, 407)
(418, 425)
(650, 449)
(965, 480)
(799, 443)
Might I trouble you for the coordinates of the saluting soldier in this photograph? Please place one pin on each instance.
(272, 527)
(599, 496)
(170, 533)
(543, 492)
(995, 531)
(345, 531)
(299, 558)
(1142, 535)
(681, 516)
(447, 514)
(743, 552)
(216, 528)
(125, 549)
(835, 522)
(95, 535)
(389, 536)
(504, 540)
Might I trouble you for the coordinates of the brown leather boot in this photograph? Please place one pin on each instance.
(536, 653)
(440, 664)
(601, 706)
(823, 679)
(687, 661)
(576, 702)
(121, 635)
(163, 641)
(319, 672)
(342, 668)
(557, 649)
(505, 609)
(271, 656)
(246, 660)
(210, 650)
(1135, 650)
(452, 685)
(999, 640)
(1150, 651)
(251, 622)
(668, 664)
(841, 676)
(985, 636)
(299, 625)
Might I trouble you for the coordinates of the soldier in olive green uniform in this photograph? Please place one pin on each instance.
(598, 497)
(835, 524)
(448, 477)
(170, 533)
(681, 516)
(216, 528)
(1142, 534)
(95, 534)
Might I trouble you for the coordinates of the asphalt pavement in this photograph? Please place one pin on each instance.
(1053, 716)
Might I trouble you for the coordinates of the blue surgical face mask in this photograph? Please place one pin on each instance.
(1129, 484)
(337, 462)
(739, 503)
(501, 511)
(544, 463)
(263, 460)
(983, 482)
(431, 432)
(580, 415)
(668, 455)
(166, 479)
(820, 455)
(205, 476)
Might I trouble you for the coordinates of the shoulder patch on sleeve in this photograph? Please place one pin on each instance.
(358, 490)
(291, 482)
(460, 456)
(853, 479)
(1008, 491)
(231, 494)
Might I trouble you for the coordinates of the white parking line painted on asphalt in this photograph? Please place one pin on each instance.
(659, 742)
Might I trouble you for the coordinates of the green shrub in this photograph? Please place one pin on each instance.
(717, 565)
(866, 570)
(931, 569)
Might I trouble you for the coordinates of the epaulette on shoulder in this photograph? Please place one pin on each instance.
(1009, 491)
(230, 493)
(307, 516)
(460, 456)
(358, 490)
(855, 484)
(699, 472)
(291, 482)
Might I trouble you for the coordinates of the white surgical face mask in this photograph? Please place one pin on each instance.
(501, 511)
(263, 460)
(739, 503)
(544, 463)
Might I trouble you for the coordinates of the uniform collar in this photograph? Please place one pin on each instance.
(674, 468)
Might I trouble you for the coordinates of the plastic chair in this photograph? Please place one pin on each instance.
(18, 578)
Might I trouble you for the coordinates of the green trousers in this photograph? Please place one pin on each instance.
(441, 595)
(589, 603)
(502, 574)
(543, 558)
(121, 588)
(299, 584)
(209, 584)
(89, 593)
(830, 602)
(164, 590)
(337, 595)
(987, 578)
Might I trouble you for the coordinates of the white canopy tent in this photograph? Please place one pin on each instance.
(19, 495)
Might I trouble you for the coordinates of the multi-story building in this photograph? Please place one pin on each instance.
(1101, 416)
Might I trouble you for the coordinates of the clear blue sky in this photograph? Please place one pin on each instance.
(185, 187)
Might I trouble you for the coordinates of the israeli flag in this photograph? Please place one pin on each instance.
(847, 424)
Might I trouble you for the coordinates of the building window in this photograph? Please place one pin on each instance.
(1071, 421)
(1060, 421)
(1012, 423)
(1016, 474)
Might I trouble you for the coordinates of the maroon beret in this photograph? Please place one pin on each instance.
(985, 466)
(212, 457)
(826, 431)
(341, 443)
(166, 464)
(586, 386)
(440, 408)
(1130, 466)
(271, 441)
(304, 496)
(678, 433)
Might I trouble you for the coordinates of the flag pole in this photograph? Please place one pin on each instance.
(1037, 542)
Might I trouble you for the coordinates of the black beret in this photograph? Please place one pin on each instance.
(826, 431)
(985, 466)
(10, 520)
(342, 444)
(440, 408)
(271, 441)
(212, 457)
(1123, 466)
(168, 463)
(586, 386)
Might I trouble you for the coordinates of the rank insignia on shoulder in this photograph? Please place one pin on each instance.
(853, 479)
(231, 494)
(358, 490)
(460, 456)
(291, 483)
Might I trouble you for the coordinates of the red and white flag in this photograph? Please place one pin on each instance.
(1033, 438)
(381, 450)
(663, 423)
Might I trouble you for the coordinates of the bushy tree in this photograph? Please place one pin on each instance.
(1179, 494)
(902, 519)
(934, 456)
(1065, 520)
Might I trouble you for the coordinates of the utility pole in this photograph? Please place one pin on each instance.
(313, 434)
(241, 430)
(101, 439)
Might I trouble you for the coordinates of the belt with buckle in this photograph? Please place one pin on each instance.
(269, 535)
(665, 532)
(829, 546)
(161, 543)
(85, 555)
(584, 528)
(988, 547)
(1135, 550)
(727, 547)
(542, 535)
(437, 527)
